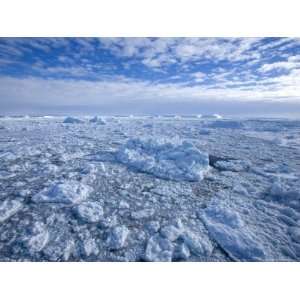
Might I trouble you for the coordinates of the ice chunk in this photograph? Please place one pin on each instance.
(8, 156)
(142, 214)
(8, 208)
(295, 234)
(124, 204)
(117, 237)
(182, 252)
(198, 244)
(40, 238)
(159, 249)
(229, 231)
(152, 226)
(172, 232)
(90, 247)
(68, 192)
(6, 175)
(90, 211)
(98, 120)
(72, 120)
(165, 159)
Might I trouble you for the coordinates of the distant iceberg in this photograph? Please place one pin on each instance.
(72, 120)
(98, 120)
(213, 116)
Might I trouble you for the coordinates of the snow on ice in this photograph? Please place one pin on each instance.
(165, 159)
(8, 208)
(117, 237)
(69, 192)
(90, 211)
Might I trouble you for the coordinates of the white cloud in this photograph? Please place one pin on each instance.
(56, 93)
(198, 76)
(157, 52)
(283, 65)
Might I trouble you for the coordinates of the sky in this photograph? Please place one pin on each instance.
(230, 76)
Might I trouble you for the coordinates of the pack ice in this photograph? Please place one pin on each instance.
(69, 192)
(126, 191)
(173, 160)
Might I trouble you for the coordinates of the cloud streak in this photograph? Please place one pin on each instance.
(112, 72)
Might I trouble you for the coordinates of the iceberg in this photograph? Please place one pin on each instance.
(98, 120)
(72, 120)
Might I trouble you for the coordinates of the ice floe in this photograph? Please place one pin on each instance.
(90, 211)
(165, 159)
(117, 237)
(226, 227)
(159, 249)
(68, 192)
(8, 208)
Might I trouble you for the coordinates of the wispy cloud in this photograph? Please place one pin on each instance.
(161, 70)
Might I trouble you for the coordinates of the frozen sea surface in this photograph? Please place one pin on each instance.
(149, 189)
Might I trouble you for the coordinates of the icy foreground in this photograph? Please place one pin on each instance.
(199, 189)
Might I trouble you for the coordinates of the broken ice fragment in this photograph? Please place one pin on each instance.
(229, 231)
(159, 249)
(40, 238)
(172, 232)
(90, 211)
(173, 160)
(182, 252)
(8, 208)
(142, 214)
(68, 192)
(117, 237)
(199, 245)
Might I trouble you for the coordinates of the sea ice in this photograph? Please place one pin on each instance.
(39, 238)
(227, 228)
(90, 211)
(8, 208)
(90, 247)
(159, 249)
(142, 214)
(173, 231)
(233, 165)
(227, 124)
(68, 192)
(165, 159)
(182, 251)
(199, 244)
(117, 237)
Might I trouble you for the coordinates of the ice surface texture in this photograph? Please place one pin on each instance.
(89, 192)
(227, 228)
(165, 159)
(68, 192)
